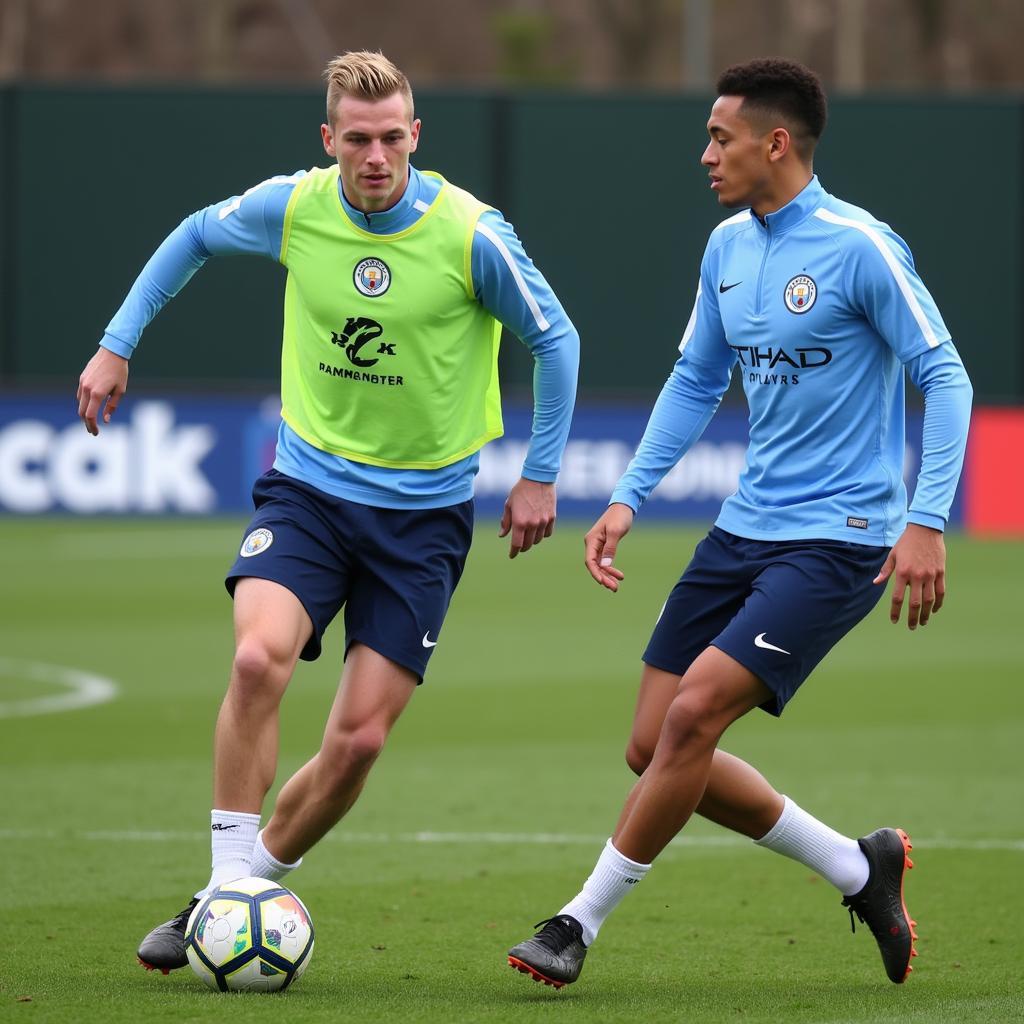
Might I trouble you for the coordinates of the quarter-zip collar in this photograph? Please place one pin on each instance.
(795, 212)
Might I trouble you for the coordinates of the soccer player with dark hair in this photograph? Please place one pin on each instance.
(818, 308)
(398, 284)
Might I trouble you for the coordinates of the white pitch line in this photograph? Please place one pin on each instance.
(86, 689)
(475, 839)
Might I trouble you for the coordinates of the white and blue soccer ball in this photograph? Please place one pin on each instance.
(249, 935)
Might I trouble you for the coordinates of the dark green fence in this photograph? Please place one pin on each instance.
(606, 192)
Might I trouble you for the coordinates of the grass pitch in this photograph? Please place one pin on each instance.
(494, 796)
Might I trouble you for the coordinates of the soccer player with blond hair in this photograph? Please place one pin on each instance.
(398, 285)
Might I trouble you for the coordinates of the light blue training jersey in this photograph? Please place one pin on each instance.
(818, 308)
(506, 283)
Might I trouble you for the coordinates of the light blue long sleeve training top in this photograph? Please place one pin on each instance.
(819, 308)
(506, 283)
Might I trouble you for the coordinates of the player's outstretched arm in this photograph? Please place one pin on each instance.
(101, 385)
(240, 225)
(602, 541)
(918, 561)
(529, 515)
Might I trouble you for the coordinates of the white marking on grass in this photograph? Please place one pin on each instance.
(86, 689)
(479, 839)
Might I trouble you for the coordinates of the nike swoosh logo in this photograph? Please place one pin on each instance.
(427, 642)
(218, 827)
(723, 287)
(759, 641)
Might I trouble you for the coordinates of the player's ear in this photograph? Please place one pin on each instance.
(327, 135)
(779, 144)
(414, 135)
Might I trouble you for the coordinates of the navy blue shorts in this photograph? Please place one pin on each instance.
(393, 570)
(777, 607)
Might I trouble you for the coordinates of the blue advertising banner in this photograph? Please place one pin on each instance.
(157, 456)
(600, 446)
(199, 456)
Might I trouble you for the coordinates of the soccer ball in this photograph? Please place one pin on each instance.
(249, 935)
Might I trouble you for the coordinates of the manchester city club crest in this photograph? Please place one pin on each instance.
(372, 277)
(800, 294)
(257, 541)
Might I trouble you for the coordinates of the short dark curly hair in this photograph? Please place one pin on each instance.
(783, 88)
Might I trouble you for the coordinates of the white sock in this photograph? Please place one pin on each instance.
(232, 835)
(266, 865)
(613, 876)
(835, 857)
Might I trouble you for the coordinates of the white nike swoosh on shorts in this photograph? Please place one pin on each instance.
(759, 641)
(427, 642)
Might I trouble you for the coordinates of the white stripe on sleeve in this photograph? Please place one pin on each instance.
(527, 295)
(897, 271)
(278, 179)
(692, 322)
(736, 218)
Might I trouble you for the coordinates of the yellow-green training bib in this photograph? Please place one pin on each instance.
(388, 358)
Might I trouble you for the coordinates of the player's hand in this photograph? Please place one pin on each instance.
(601, 542)
(104, 380)
(529, 515)
(917, 560)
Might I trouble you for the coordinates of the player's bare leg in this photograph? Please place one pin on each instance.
(714, 692)
(271, 628)
(373, 693)
(737, 796)
(867, 872)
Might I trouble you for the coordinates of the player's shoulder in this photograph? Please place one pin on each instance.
(284, 182)
(853, 228)
(731, 227)
(729, 230)
(315, 179)
(267, 197)
(460, 199)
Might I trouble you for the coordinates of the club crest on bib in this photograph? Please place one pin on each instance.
(372, 277)
(257, 541)
(800, 294)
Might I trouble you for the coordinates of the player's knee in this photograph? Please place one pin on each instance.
(365, 745)
(352, 752)
(258, 670)
(638, 755)
(692, 719)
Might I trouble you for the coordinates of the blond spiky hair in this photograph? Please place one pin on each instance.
(367, 74)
